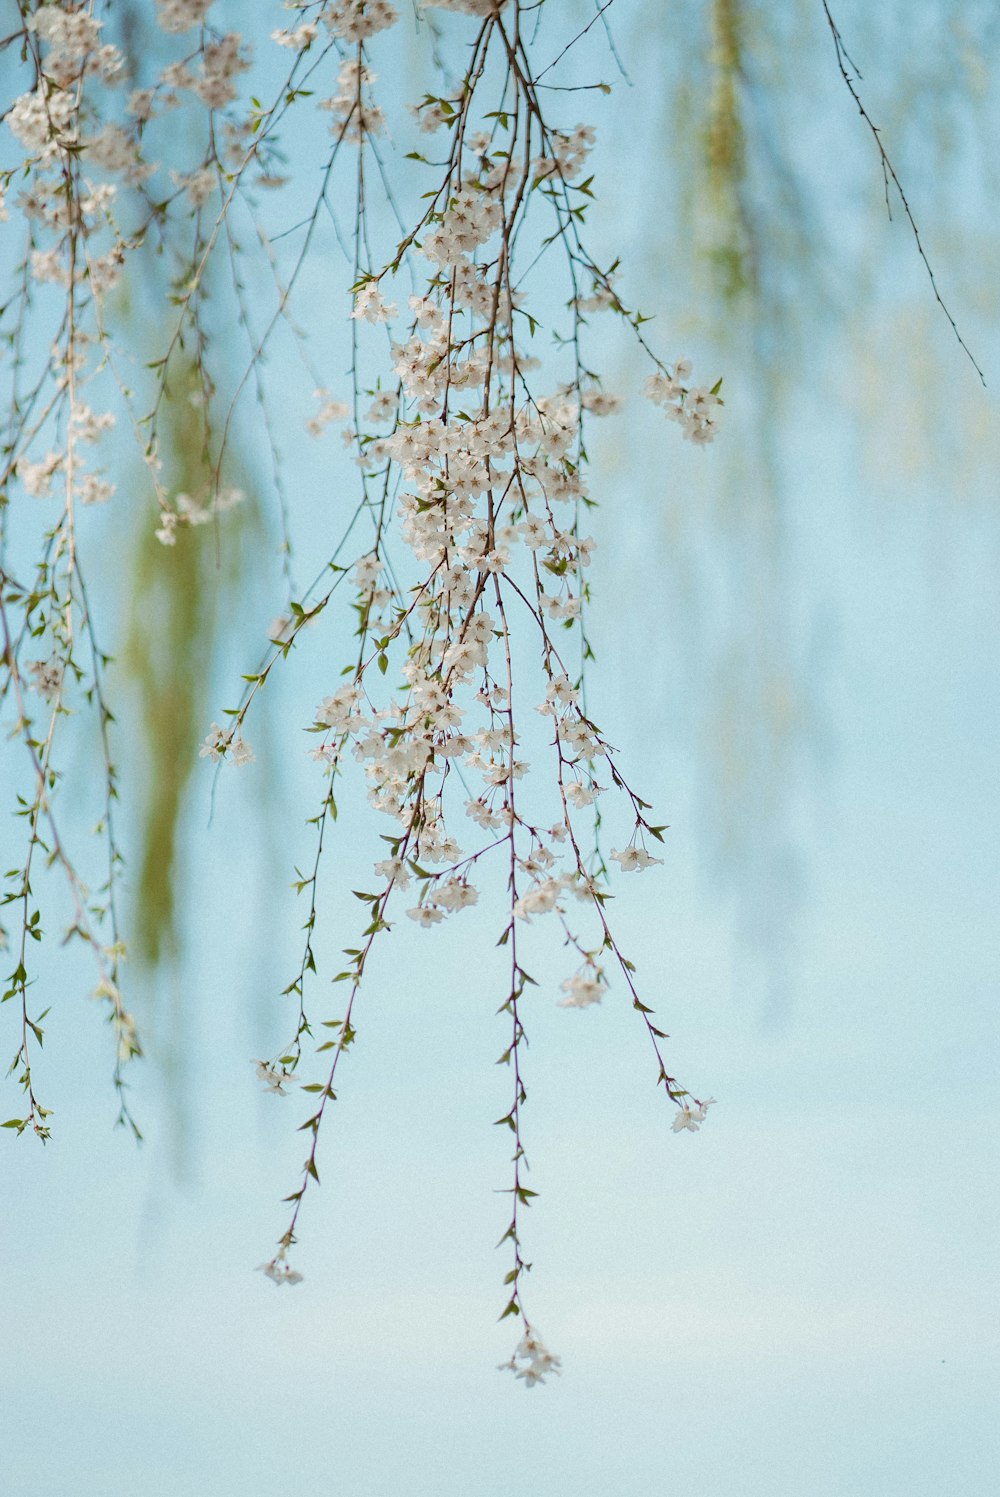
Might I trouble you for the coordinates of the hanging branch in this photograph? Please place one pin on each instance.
(889, 175)
(459, 541)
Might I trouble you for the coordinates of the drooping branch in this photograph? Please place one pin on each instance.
(849, 72)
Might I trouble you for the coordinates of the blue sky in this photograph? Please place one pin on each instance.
(798, 1299)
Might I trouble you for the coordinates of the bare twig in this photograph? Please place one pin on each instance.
(889, 175)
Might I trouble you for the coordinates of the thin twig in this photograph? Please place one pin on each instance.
(889, 175)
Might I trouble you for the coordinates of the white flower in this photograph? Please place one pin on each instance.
(48, 676)
(368, 304)
(561, 690)
(662, 388)
(691, 1116)
(37, 119)
(88, 425)
(217, 740)
(94, 490)
(181, 15)
(280, 1273)
(430, 116)
(140, 103)
(221, 61)
(599, 403)
(356, 20)
(303, 36)
(586, 987)
(384, 403)
(277, 1269)
(198, 185)
(533, 532)
(455, 894)
(330, 410)
(367, 572)
(340, 710)
(394, 871)
(532, 1361)
(632, 859)
(275, 1078)
(425, 915)
(696, 409)
(37, 477)
(538, 900)
(582, 795)
(242, 752)
(482, 815)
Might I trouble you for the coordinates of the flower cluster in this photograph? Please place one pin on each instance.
(691, 1116)
(479, 455)
(222, 742)
(695, 408)
(275, 1078)
(354, 115)
(531, 1360)
(48, 677)
(184, 510)
(357, 20)
(466, 423)
(181, 15)
(278, 1270)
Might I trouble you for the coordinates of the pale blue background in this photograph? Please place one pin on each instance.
(798, 1300)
